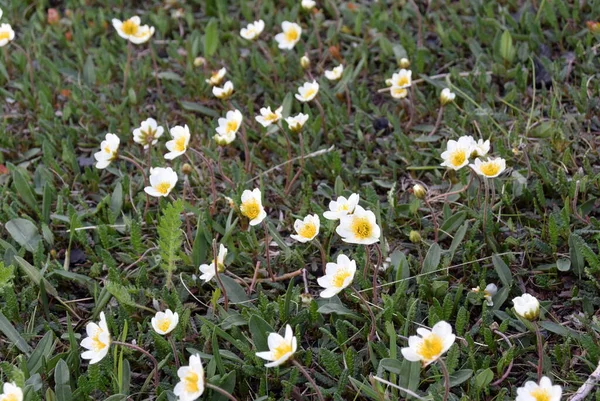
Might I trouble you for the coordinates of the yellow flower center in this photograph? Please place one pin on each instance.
(399, 92)
(9, 397)
(271, 117)
(281, 350)
(490, 169)
(231, 126)
(4, 35)
(361, 227)
(250, 209)
(163, 188)
(339, 277)
(164, 324)
(343, 207)
(541, 394)
(308, 230)
(107, 149)
(191, 382)
(129, 27)
(402, 81)
(291, 35)
(180, 144)
(458, 157)
(309, 93)
(431, 347)
(97, 345)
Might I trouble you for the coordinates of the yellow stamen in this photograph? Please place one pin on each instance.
(399, 92)
(489, 169)
(281, 350)
(231, 126)
(361, 227)
(458, 157)
(402, 81)
(291, 35)
(129, 27)
(4, 35)
(10, 397)
(339, 277)
(191, 382)
(343, 207)
(97, 345)
(431, 347)
(250, 209)
(107, 149)
(541, 394)
(163, 188)
(309, 92)
(308, 230)
(180, 144)
(164, 324)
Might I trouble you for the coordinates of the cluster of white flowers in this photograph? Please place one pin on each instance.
(458, 153)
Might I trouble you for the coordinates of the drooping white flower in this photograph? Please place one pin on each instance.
(280, 348)
(488, 293)
(208, 270)
(446, 96)
(296, 122)
(359, 227)
(337, 276)
(97, 341)
(269, 117)
(179, 144)
(335, 74)
(191, 380)
(132, 30)
(490, 168)
(165, 322)
(457, 153)
(162, 181)
(308, 91)
(428, 346)
(544, 391)
(10, 391)
(228, 127)
(290, 36)
(306, 229)
(225, 92)
(216, 77)
(253, 30)
(252, 207)
(148, 133)
(527, 306)
(479, 147)
(109, 149)
(6, 34)
(341, 207)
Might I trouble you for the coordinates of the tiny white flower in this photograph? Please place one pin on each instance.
(109, 149)
(225, 92)
(252, 207)
(10, 391)
(228, 127)
(217, 77)
(162, 181)
(179, 144)
(148, 133)
(191, 380)
(335, 74)
(359, 227)
(296, 122)
(429, 346)
(480, 147)
(341, 207)
(280, 348)
(307, 229)
(527, 306)
(6, 34)
(308, 91)
(446, 96)
(490, 168)
(253, 30)
(132, 30)
(400, 82)
(165, 322)
(208, 271)
(308, 4)
(457, 153)
(290, 35)
(337, 276)
(97, 341)
(269, 117)
(544, 391)
(488, 293)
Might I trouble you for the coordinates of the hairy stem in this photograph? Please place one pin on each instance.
(309, 378)
(220, 391)
(149, 355)
(372, 333)
(446, 379)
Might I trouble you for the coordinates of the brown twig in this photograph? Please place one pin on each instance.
(283, 277)
(438, 122)
(589, 385)
(149, 355)
(510, 365)
(540, 349)
(309, 378)
(373, 332)
(254, 277)
(220, 391)
(446, 379)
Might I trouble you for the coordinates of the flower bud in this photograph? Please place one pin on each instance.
(306, 298)
(446, 96)
(404, 63)
(305, 62)
(414, 237)
(593, 26)
(199, 61)
(186, 169)
(419, 191)
(527, 306)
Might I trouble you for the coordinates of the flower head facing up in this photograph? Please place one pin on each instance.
(268, 117)
(337, 276)
(148, 133)
(400, 82)
(280, 348)
(179, 144)
(225, 92)
(479, 147)
(341, 207)
(287, 39)
(253, 30)
(490, 168)
(228, 127)
(527, 306)
(162, 181)
(488, 293)
(446, 96)
(97, 342)
(252, 207)
(457, 153)
(306, 229)
(359, 227)
(335, 74)
(208, 271)
(217, 77)
(191, 380)
(165, 322)
(11, 392)
(308, 91)
(429, 346)
(544, 391)
(296, 122)
(6, 34)
(308, 4)
(109, 150)
(132, 30)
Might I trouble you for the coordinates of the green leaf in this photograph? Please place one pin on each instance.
(25, 233)
(563, 264)
(192, 106)
(432, 259)
(116, 200)
(391, 365)
(42, 353)
(36, 276)
(61, 378)
(458, 238)
(507, 49)
(211, 38)
(170, 237)
(460, 376)
(235, 292)
(13, 335)
(89, 73)
(558, 329)
(22, 186)
(502, 270)
(484, 378)
(259, 329)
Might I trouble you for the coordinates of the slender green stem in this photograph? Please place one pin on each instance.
(436, 227)
(540, 350)
(309, 378)
(127, 66)
(149, 355)
(220, 391)
(175, 355)
(268, 251)
(446, 379)
(376, 272)
(323, 254)
(372, 333)
(323, 122)
(288, 166)
(139, 167)
(301, 169)
(486, 186)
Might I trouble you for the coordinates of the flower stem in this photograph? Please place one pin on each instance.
(309, 378)
(139, 167)
(244, 138)
(323, 254)
(436, 226)
(170, 339)
(127, 66)
(322, 112)
(376, 272)
(372, 333)
(220, 391)
(301, 169)
(216, 264)
(211, 173)
(155, 66)
(438, 122)
(149, 355)
(540, 349)
(486, 186)
(268, 251)
(227, 179)
(446, 379)
(288, 166)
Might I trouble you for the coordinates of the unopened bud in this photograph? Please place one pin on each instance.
(306, 298)
(404, 63)
(199, 61)
(446, 96)
(419, 191)
(414, 237)
(593, 26)
(305, 62)
(186, 169)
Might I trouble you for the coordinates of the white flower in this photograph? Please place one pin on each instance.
(280, 348)
(10, 391)
(253, 30)
(191, 380)
(228, 127)
(429, 346)
(488, 293)
(527, 306)
(308, 4)
(217, 77)
(337, 276)
(6, 34)
(109, 149)
(208, 271)
(252, 207)
(132, 30)
(457, 153)
(162, 181)
(97, 342)
(179, 144)
(224, 92)
(446, 96)
(479, 147)
(296, 122)
(165, 322)
(304, 62)
(308, 229)
(335, 74)
(399, 82)
(308, 91)
(490, 168)
(359, 227)
(148, 133)
(545, 391)
(269, 117)
(341, 207)
(290, 35)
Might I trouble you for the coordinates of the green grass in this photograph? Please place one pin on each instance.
(74, 240)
